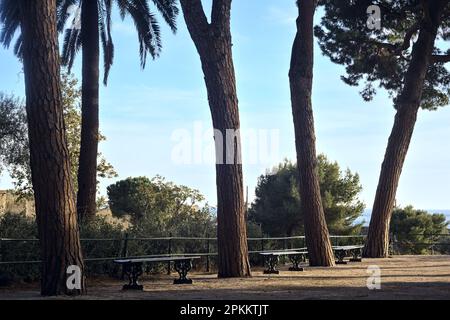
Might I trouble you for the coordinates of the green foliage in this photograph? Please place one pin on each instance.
(381, 57)
(100, 228)
(414, 230)
(277, 204)
(18, 226)
(14, 151)
(158, 207)
(13, 138)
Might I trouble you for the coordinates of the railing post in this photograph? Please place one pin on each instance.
(124, 253)
(169, 251)
(262, 249)
(1, 250)
(432, 244)
(207, 252)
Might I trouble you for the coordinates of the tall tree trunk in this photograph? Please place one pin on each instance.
(87, 170)
(407, 104)
(213, 42)
(301, 78)
(50, 165)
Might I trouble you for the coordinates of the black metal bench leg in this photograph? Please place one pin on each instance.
(356, 255)
(133, 271)
(296, 259)
(272, 262)
(183, 267)
(340, 255)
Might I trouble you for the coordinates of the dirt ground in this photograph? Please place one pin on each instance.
(405, 277)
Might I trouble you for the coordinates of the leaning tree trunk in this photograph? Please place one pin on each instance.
(49, 155)
(87, 170)
(213, 42)
(408, 104)
(301, 78)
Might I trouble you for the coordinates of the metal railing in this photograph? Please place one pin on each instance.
(139, 247)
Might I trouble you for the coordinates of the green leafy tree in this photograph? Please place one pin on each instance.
(406, 57)
(414, 230)
(14, 151)
(13, 127)
(277, 206)
(158, 207)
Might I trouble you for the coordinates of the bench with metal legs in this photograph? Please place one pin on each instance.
(132, 268)
(272, 259)
(341, 252)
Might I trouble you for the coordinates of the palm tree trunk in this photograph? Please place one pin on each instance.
(301, 78)
(213, 42)
(87, 170)
(408, 104)
(49, 155)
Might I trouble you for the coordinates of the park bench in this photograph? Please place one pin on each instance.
(272, 259)
(133, 269)
(341, 252)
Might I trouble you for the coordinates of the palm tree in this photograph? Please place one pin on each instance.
(95, 29)
(96, 18)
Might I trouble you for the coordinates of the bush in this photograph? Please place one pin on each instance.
(18, 226)
(415, 230)
(95, 236)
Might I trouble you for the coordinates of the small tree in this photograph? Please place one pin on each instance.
(414, 229)
(158, 207)
(277, 205)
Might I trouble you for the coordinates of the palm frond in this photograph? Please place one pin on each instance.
(147, 27)
(18, 47)
(63, 13)
(122, 4)
(71, 45)
(169, 10)
(10, 19)
(106, 38)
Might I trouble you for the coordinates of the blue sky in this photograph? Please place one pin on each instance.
(140, 110)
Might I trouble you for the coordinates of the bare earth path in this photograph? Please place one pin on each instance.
(405, 277)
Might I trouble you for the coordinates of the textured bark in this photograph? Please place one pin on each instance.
(213, 42)
(50, 166)
(408, 104)
(87, 170)
(301, 79)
